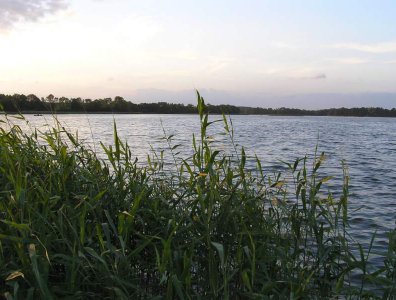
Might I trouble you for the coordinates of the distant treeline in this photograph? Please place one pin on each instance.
(32, 104)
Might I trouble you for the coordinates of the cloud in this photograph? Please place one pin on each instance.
(283, 45)
(370, 48)
(14, 11)
(319, 76)
(314, 77)
(295, 73)
(350, 61)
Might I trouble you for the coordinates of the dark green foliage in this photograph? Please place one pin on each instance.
(73, 226)
(20, 103)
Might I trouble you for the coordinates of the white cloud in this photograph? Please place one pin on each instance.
(295, 73)
(14, 11)
(283, 45)
(370, 48)
(350, 61)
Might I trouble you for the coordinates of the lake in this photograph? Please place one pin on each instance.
(367, 145)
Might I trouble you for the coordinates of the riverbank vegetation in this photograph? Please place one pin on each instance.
(74, 226)
(32, 104)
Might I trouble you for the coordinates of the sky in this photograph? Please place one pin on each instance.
(293, 53)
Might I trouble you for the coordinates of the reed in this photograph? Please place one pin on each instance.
(75, 226)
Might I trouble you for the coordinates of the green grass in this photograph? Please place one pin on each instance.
(76, 227)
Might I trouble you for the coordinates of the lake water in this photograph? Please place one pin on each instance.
(368, 145)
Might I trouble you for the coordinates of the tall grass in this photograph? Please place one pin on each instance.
(74, 226)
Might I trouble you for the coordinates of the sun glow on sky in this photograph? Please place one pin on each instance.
(264, 53)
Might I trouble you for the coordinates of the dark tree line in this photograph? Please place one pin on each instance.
(32, 104)
(344, 112)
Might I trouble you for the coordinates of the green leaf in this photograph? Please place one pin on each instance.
(220, 250)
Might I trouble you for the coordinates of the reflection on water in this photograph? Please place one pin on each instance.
(368, 145)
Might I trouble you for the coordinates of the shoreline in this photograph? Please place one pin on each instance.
(164, 113)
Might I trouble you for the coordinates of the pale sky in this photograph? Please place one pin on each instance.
(259, 53)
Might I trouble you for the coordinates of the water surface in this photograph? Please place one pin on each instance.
(368, 146)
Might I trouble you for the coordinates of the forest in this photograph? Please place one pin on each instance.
(19, 103)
